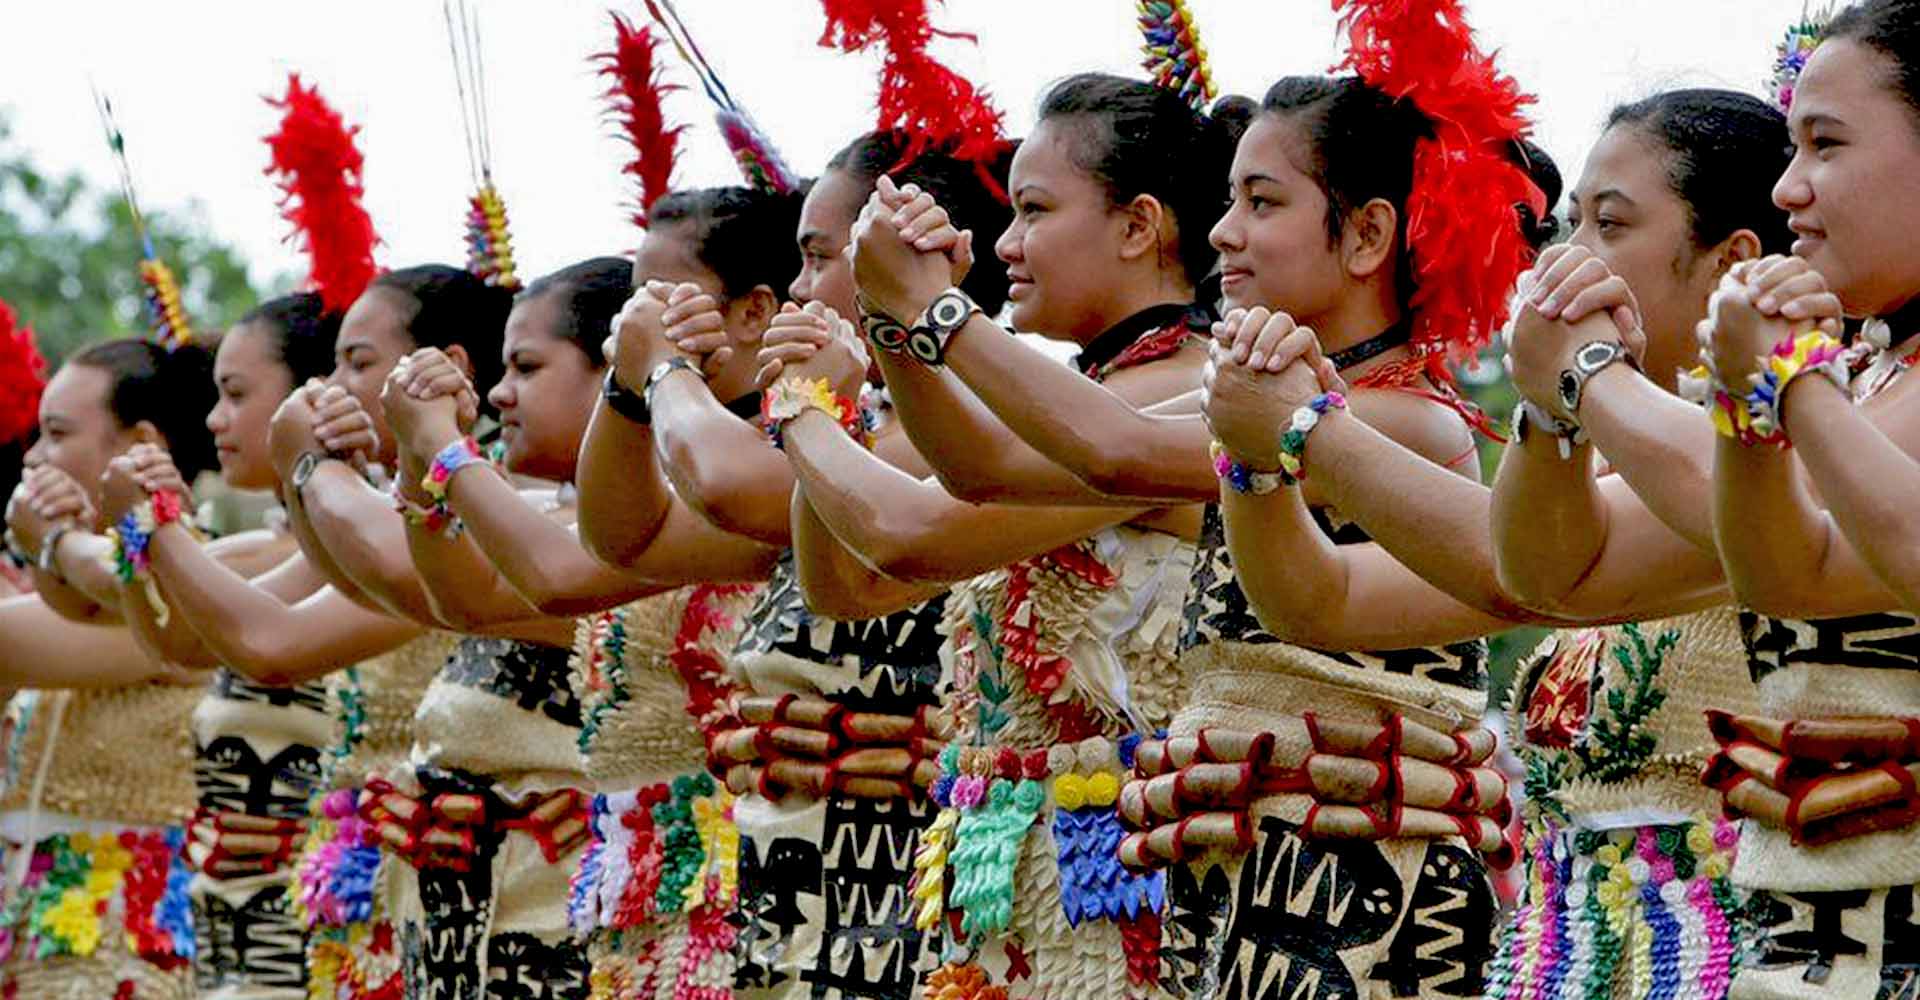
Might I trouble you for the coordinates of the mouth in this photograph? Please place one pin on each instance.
(223, 450)
(1810, 237)
(1234, 275)
(1018, 285)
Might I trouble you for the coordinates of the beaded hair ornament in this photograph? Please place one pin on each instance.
(318, 168)
(489, 244)
(1175, 57)
(1791, 54)
(933, 106)
(760, 163)
(1463, 229)
(166, 316)
(634, 101)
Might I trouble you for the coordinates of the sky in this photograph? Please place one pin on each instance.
(188, 77)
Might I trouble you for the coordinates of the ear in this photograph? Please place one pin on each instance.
(1145, 225)
(460, 358)
(1367, 240)
(750, 313)
(1744, 244)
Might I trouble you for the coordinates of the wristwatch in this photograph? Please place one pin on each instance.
(661, 371)
(945, 315)
(624, 401)
(1588, 361)
(303, 468)
(50, 553)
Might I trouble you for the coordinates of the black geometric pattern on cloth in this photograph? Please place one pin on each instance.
(1805, 930)
(771, 907)
(1217, 611)
(869, 947)
(1900, 953)
(780, 622)
(534, 677)
(1443, 947)
(1198, 908)
(1878, 642)
(442, 954)
(230, 686)
(231, 777)
(522, 967)
(257, 943)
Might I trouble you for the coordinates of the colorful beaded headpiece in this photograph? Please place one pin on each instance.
(319, 170)
(634, 100)
(759, 161)
(933, 106)
(1176, 59)
(166, 317)
(1790, 56)
(489, 245)
(1463, 229)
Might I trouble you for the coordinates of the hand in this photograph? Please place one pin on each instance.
(792, 337)
(144, 470)
(120, 489)
(1789, 288)
(638, 344)
(822, 345)
(343, 428)
(1737, 335)
(290, 434)
(1248, 406)
(54, 497)
(422, 422)
(430, 374)
(890, 272)
(694, 326)
(927, 226)
(1569, 282)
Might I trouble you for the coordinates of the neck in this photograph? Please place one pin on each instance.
(1354, 319)
(1129, 298)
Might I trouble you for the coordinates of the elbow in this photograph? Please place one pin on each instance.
(902, 555)
(548, 593)
(458, 616)
(1118, 475)
(969, 484)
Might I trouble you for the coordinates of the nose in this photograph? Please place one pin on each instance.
(801, 288)
(1225, 234)
(1791, 191)
(501, 396)
(1007, 247)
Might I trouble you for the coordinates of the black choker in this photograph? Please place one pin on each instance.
(1121, 335)
(1372, 347)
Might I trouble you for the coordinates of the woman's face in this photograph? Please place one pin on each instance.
(1273, 243)
(373, 338)
(547, 394)
(78, 434)
(1063, 247)
(252, 381)
(1852, 190)
(1625, 210)
(826, 223)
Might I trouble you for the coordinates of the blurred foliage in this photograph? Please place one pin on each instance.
(69, 258)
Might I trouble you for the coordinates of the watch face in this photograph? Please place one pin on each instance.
(303, 469)
(949, 311)
(1594, 355)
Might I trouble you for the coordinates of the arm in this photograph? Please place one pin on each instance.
(718, 463)
(836, 584)
(39, 648)
(242, 557)
(359, 529)
(536, 555)
(1868, 482)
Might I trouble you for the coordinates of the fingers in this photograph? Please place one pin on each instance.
(1608, 293)
(1554, 269)
(919, 204)
(1247, 333)
(789, 353)
(1582, 275)
(769, 372)
(1297, 344)
(1274, 329)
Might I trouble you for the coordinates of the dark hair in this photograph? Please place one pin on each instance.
(959, 187)
(1138, 138)
(451, 307)
(1892, 28)
(302, 333)
(172, 390)
(743, 235)
(591, 294)
(1725, 151)
(1362, 143)
(1538, 231)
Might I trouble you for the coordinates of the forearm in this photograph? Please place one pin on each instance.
(1659, 444)
(719, 464)
(1773, 540)
(1548, 521)
(40, 649)
(362, 533)
(304, 641)
(81, 586)
(538, 557)
(1100, 437)
(624, 497)
(1867, 481)
(835, 582)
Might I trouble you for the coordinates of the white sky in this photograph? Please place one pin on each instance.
(187, 79)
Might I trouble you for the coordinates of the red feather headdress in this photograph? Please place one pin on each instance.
(934, 106)
(23, 374)
(1463, 231)
(635, 100)
(319, 169)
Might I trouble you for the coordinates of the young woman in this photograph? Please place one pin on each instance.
(1831, 850)
(100, 775)
(674, 524)
(1065, 652)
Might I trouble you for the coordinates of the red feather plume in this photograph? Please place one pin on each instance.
(935, 106)
(318, 168)
(1463, 231)
(23, 374)
(635, 99)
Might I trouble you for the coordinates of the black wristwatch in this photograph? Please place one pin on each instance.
(625, 401)
(945, 315)
(1588, 361)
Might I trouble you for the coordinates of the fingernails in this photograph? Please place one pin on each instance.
(1793, 310)
(1256, 360)
(1766, 303)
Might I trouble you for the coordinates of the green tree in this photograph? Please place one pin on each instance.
(69, 258)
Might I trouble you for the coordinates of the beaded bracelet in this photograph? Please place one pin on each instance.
(792, 396)
(1754, 417)
(132, 536)
(1293, 444)
(436, 515)
(1242, 478)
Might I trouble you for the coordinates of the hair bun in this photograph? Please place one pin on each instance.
(1233, 114)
